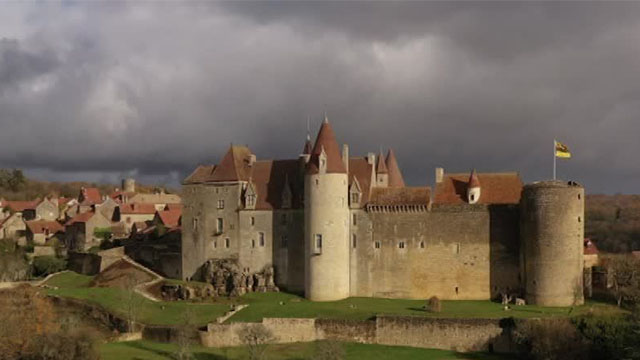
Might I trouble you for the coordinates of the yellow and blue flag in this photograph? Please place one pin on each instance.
(562, 150)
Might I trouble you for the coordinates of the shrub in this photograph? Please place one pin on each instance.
(45, 265)
(611, 337)
(434, 304)
(549, 339)
(255, 337)
(328, 350)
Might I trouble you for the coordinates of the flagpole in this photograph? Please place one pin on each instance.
(554, 159)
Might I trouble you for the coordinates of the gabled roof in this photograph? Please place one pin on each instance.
(326, 140)
(20, 206)
(173, 207)
(381, 167)
(39, 226)
(201, 174)
(235, 165)
(497, 188)
(137, 208)
(400, 196)
(81, 218)
(359, 168)
(89, 196)
(170, 218)
(395, 175)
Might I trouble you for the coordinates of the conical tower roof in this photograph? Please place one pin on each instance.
(381, 167)
(395, 175)
(474, 182)
(308, 147)
(326, 140)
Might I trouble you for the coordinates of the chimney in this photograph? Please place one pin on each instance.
(371, 159)
(439, 175)
(345, 156)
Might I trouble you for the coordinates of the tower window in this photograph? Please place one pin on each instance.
(473, 197)
(195, 224)
(317, 244)
(354, 241)
(251, 200)
(376, 244)
(421, 244)
(215, 244)
(226, 243)
(457, 248)
(220, 204)
(579, 219)
(252, 221)
(401, 245)
(220, 225)
(355, 220)
(261, 238)
(317, 182)
(253, 243)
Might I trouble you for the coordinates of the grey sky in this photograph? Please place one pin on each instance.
(96, 91)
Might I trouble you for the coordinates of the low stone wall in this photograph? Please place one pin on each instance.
(110, 256)
(448, 334)
(84, 263)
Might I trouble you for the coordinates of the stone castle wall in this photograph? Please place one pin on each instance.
(447, 334)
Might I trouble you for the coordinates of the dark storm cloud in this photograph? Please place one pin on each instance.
(100, 91)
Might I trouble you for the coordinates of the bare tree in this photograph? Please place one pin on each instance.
(132, 302)
(186, 333)
(255, 337)
(625, 275)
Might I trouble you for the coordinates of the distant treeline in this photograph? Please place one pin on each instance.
(613, 222)
(14, 185)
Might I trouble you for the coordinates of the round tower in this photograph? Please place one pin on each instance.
(129, 185)
(552, 233)
(326, 221)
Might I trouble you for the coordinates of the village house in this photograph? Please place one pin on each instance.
(82, 231)
(131, 213)
(47, 209)
(41, 232)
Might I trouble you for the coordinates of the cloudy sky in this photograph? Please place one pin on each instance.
(98, 91)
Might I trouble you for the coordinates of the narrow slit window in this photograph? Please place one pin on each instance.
(261, 238)
(226, 243)
(354, 241)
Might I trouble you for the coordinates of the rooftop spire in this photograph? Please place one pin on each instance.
(326, 140)
(395, 175)
(473, 179)
(381, 167)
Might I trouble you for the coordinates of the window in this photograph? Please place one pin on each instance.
(354, 241)
(251, 200)
(252, 221)
(317, 182)
(318, 244)
(261, 237)
(473, 197)
(421, 244)
(215, 244)
(376, 245)
(283, 219)
(579, 219)
(195, 224)
(354, 198)
(231, 226)
(220, 225)
(355, 220)
(253, 243)
(220, 204)
(226, 243)
(401, 245)
(457, 248)
(284, 242)
(323, 163)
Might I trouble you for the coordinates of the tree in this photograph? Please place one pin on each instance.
(255, 337)
(132, 301)
(187, 331)
(625, 276)
(328, 350)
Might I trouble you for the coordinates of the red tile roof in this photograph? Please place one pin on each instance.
(496, 188)
(137, 208)
(170, 218)
(326, 140)
(400, 196)
(80, 218)
(20, 206)
(395, 175)
(590, 248)
(39, 226)
(90, 196)
(235, 165)
(201, 174)
(173, 207)
(269, 177)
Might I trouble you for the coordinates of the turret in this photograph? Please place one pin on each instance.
(326, 221)
(473, 188)
(395, 175)
(552, 235)
(129, 185)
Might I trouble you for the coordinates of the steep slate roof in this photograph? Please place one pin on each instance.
(269, 177)
(201, 174)
(497, 188)
(395, 175)
(137, 208)
(326, 140)
(170, 218)
(361, 169)
(234, 165)
(400, 196)
(39, 226)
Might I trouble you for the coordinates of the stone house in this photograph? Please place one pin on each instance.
(46, 209)
(80, 231)
(39, 232)
(131, 213)
(159, 199)
(13, 227)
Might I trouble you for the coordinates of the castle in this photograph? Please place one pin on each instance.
(334, 226)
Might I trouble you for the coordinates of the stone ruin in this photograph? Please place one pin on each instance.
(223, 278)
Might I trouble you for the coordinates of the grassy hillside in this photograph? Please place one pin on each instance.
(613, 222)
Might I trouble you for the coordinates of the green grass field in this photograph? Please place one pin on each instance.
(74, 285)
(270, 305)
(137, 350)
(287, 305)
